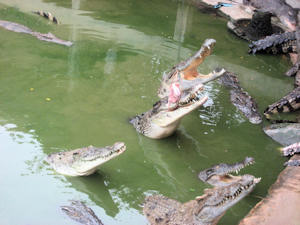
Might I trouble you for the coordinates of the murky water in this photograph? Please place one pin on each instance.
(54, 98)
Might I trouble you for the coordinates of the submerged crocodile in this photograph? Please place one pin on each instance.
(79, 212)
(219, 175)
(47, 15)
(204, 210)
(289, 103)
(241, 99)
(179, 94)
(83, 161)
(275, 44)
(18, 28)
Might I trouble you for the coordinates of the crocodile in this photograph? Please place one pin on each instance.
(184, 75)
(291, 149)
(18, 28)
(289, 103)
(83, 161)
(179, 94)
(284, 12)
(241, 99)
(203, 210)
(79, 212)
(47, 15)
(275, 44)
(164, 118)
(219, 175)
(292, 162)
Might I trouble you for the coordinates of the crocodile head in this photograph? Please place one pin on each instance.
(185, 75)
(214, 203)
(219, 175)
(204, 210)
(164, 118)
(83, 161)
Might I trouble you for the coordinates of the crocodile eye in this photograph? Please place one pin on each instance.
(209, 172)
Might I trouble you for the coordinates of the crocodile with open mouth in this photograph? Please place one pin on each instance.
(83, 161)
(204, 210)
(219, 175)
(185, 75)
(179, 94)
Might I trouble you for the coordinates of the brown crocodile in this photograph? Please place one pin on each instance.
(219, 175)
(179, 93)
(83, 161)
(18, 28)
(204, 210)
(275, 44)
(47, 15)
(79, 212)
(289, 103)
(241, 99)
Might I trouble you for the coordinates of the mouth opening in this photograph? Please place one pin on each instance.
(239, 191)
(236, 168)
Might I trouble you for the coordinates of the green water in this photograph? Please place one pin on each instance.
(121, 49)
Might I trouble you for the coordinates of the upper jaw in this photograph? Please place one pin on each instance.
(219, 175)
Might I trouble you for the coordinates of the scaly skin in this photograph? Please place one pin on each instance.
(241, 99)
(79, 212)
(47, 15)
(163, 119)
(219, 175)
(179, 95)
(83, 161)
(291, 149)
(275, 44)
(204, 210)
(289, 103)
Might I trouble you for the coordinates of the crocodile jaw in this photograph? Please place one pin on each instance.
(65, 163)
(166, 122)
(221, 199)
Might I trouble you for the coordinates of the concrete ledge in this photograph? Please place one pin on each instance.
(282, 204)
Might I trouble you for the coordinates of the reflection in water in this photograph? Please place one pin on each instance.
(195, 142)
(95, 187)
(110, 61)
(181, 21)
(73, 66)
(180, 25)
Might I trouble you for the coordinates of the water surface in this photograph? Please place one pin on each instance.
(55, 98)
